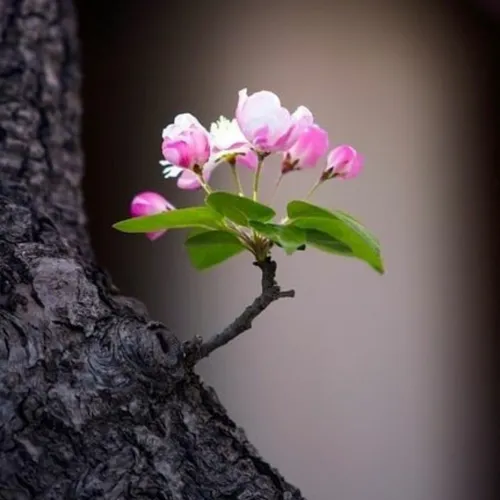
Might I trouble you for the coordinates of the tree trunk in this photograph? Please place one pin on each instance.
(96, 400)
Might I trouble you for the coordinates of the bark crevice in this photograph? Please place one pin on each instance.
(96, 400)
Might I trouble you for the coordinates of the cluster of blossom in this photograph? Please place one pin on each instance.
(261, 127)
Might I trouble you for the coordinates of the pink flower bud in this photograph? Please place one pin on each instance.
(149, 203)
(267, 125)
(343, 162)
(311, 145)
(186, 142)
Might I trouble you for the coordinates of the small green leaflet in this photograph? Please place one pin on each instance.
(239, 209)
(209, 248)
(203, 217)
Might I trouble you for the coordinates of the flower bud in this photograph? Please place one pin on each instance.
(343, 162)
(150, 203)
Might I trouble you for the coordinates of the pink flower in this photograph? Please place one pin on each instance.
(248, 160)
(268, 126)
(149, 203)
(343, 162)
(186, 143)
(311, 145)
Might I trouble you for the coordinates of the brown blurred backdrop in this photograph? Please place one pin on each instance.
(363, 387)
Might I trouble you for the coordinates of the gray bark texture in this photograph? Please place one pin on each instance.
(96, 400)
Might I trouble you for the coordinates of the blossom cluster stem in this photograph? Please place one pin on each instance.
(203, 183)
(237, 180)
(313, 189)
(256, 178)
(276, 186)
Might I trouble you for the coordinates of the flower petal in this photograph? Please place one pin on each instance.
(171, 171)
(311, 145)
(188, 180)
(149, 203)
(248, 160)
(266, 124)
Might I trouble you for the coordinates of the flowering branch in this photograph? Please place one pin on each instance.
(197, 349)
(227, 224)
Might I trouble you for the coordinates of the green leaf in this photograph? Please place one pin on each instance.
(239, 209)
(326, 243)
(203, 217)
(299, 208)
(210, 248)
(349, 219)
(197, 230)
(360, 245)
(341, 227)
(288, 237)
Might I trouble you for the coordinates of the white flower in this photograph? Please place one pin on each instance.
(226, 135)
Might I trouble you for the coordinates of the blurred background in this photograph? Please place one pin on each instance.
(362, 387)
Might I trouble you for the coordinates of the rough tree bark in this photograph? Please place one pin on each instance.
(96, 400)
